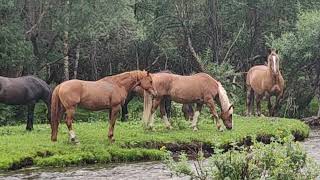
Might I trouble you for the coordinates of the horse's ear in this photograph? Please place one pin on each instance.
(231, 106)
(269, 50)
(277, 52)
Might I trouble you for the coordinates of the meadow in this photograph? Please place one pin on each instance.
(19, 148)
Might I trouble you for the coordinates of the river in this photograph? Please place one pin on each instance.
(133, 171)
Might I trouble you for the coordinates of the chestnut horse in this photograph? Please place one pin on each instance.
(107, 93)
(265, 81)
(165, 102)
(198, 88)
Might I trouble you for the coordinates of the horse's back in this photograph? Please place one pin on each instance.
(256, 73)
(22, 90)
(194, 87)
(93, 95)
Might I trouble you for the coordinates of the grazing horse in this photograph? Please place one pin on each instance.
(25, 90)
(166, 101)
(265, 81)
(198, 88)
(107, 93)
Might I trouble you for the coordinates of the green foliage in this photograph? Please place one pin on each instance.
(299, 51)
(285, 160)
(133, 143)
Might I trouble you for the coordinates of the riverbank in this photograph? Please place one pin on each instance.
(19, 149)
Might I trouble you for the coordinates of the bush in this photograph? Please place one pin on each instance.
(284, 159)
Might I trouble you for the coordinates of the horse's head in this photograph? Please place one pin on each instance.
(273, 61)
(226, 117)
(146, 83)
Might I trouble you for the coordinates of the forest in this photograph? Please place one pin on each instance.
(91, 39)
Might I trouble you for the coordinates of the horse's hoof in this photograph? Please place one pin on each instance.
(195, 129)
(29, 128)
(111, 141)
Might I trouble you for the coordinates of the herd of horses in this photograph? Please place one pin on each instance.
(158, 90)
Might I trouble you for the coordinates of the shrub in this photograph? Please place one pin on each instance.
(284, 159)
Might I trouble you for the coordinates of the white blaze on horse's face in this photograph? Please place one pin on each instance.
(274, 59)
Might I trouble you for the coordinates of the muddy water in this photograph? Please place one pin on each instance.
(133, 171)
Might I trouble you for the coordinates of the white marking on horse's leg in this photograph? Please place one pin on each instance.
(151, 121)
(72, 135)
(274, 63)
(195, 120)
(166, 122)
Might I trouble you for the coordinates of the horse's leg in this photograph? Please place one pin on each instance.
(250, 101)
(196, 116)
(164, 113)
(155, 104)
(269, 105)
(275, 107)
(258, 101)
(30, 116)
(168, 106)
(69, 120)
(112, 120)
(214, 113)
(124, 108)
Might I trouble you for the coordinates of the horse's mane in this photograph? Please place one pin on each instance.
(223, 97)
(137, 74)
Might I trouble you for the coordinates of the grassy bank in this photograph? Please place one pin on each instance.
(19, 148)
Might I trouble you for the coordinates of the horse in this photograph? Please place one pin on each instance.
(166, 101)
(107, 93)
(138, 91)
(199, 88)
(25, 90)
(265, 81)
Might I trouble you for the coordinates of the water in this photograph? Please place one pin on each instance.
(312, 145)
(132, 171)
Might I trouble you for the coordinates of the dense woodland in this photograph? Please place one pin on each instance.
(58, 40)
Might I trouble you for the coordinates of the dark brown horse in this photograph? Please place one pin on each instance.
(26, 90)
(265, 81)
(107, 93)
(199, 88)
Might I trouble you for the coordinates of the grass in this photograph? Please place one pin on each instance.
(19, 148)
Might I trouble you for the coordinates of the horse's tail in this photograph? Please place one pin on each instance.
(56, 112)
(147, 106)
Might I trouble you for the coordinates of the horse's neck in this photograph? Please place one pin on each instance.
(223, 98)
(124, 80)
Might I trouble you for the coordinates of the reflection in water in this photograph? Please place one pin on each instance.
(134, 171)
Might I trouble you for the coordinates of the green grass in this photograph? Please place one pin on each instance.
(19, 148)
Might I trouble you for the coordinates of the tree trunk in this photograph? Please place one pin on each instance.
(214, 29)
(137, 57)
(195, 55)
(66, 56)
(110, 67)
(76, 61)
(94, 71)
